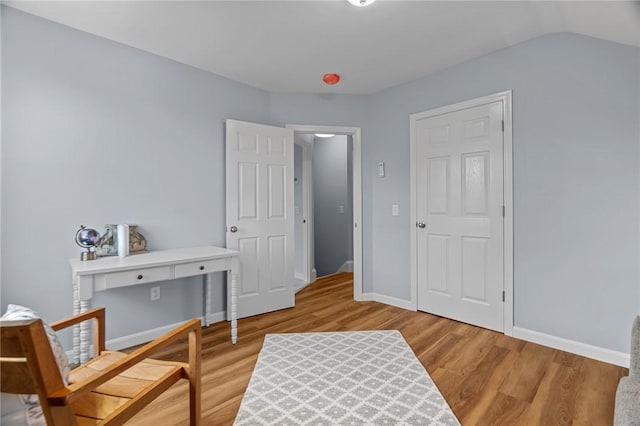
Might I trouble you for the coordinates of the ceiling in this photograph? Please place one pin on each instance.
(286, 46)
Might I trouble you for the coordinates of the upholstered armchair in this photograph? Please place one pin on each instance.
(627, 409)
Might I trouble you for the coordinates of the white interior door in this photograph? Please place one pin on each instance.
(459, 212)
(260, 217)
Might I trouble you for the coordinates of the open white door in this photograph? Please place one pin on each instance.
(260, 219)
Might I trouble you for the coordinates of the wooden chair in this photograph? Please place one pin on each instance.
(110, 388)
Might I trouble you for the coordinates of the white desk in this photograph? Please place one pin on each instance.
(107, 273)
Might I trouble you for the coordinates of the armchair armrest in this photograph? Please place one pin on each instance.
(190, 329)
(98, 315)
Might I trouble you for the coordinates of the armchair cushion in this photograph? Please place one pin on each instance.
(627, 411)
(25, 409)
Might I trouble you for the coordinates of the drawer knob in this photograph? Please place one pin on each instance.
(202, 268)
(139, 277)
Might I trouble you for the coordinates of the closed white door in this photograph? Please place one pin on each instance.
(260, 219)
(459, 212)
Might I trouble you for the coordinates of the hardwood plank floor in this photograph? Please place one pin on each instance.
(487, 378)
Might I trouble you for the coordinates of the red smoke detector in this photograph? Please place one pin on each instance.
(331, 79)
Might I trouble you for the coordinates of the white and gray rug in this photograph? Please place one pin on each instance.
(342, 378)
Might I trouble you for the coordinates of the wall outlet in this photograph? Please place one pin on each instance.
(155, 293)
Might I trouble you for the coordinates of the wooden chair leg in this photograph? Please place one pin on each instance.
(195, 407)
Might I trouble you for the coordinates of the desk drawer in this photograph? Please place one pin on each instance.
(126, 278)
(199, 268)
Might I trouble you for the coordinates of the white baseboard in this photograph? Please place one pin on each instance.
(595, 352)
(601, 354)
(347, 266)
(365, 297)
(148, 335)
(299, 284)
(217, 317)
(387, 300)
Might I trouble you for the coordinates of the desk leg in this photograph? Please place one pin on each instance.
(76, 328)
(206, 282)
(85, 305)
(232, 300)
(80, 331)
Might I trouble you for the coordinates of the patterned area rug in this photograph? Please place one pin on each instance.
(343, 378)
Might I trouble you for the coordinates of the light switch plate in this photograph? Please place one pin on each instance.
(394, 210)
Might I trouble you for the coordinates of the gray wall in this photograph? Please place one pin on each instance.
(330, 191)
(95, 132)
(576, 143)
(152, 131)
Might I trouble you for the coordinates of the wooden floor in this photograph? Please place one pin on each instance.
(487, 377)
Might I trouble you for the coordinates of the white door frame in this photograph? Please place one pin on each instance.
(355, 134)
(506, 99)
(309, 274)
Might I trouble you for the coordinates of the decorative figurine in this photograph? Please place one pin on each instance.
(87, 238)
(137, 242)
(108, 244)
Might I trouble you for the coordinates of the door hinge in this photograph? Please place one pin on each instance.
(503, 295)
(503, 210)
(503, 125)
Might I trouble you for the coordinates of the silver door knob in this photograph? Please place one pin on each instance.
(233, 229)
(421, 225)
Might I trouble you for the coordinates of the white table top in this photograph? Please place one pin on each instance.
(149, 259)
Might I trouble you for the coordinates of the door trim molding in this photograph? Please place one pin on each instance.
(307, 209)
(355, 133)
(506, 99)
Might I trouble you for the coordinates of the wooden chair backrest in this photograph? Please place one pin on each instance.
(27, 363)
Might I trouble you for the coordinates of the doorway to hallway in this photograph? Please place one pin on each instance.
(328, 206)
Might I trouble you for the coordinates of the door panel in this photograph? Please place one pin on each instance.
(475, 188)
(277, 189)
(474, 269)
(459, 198)
(259, 161)
(277, 261)
(249, 267)
(247, 190)
(437, 275)
(438, 190)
